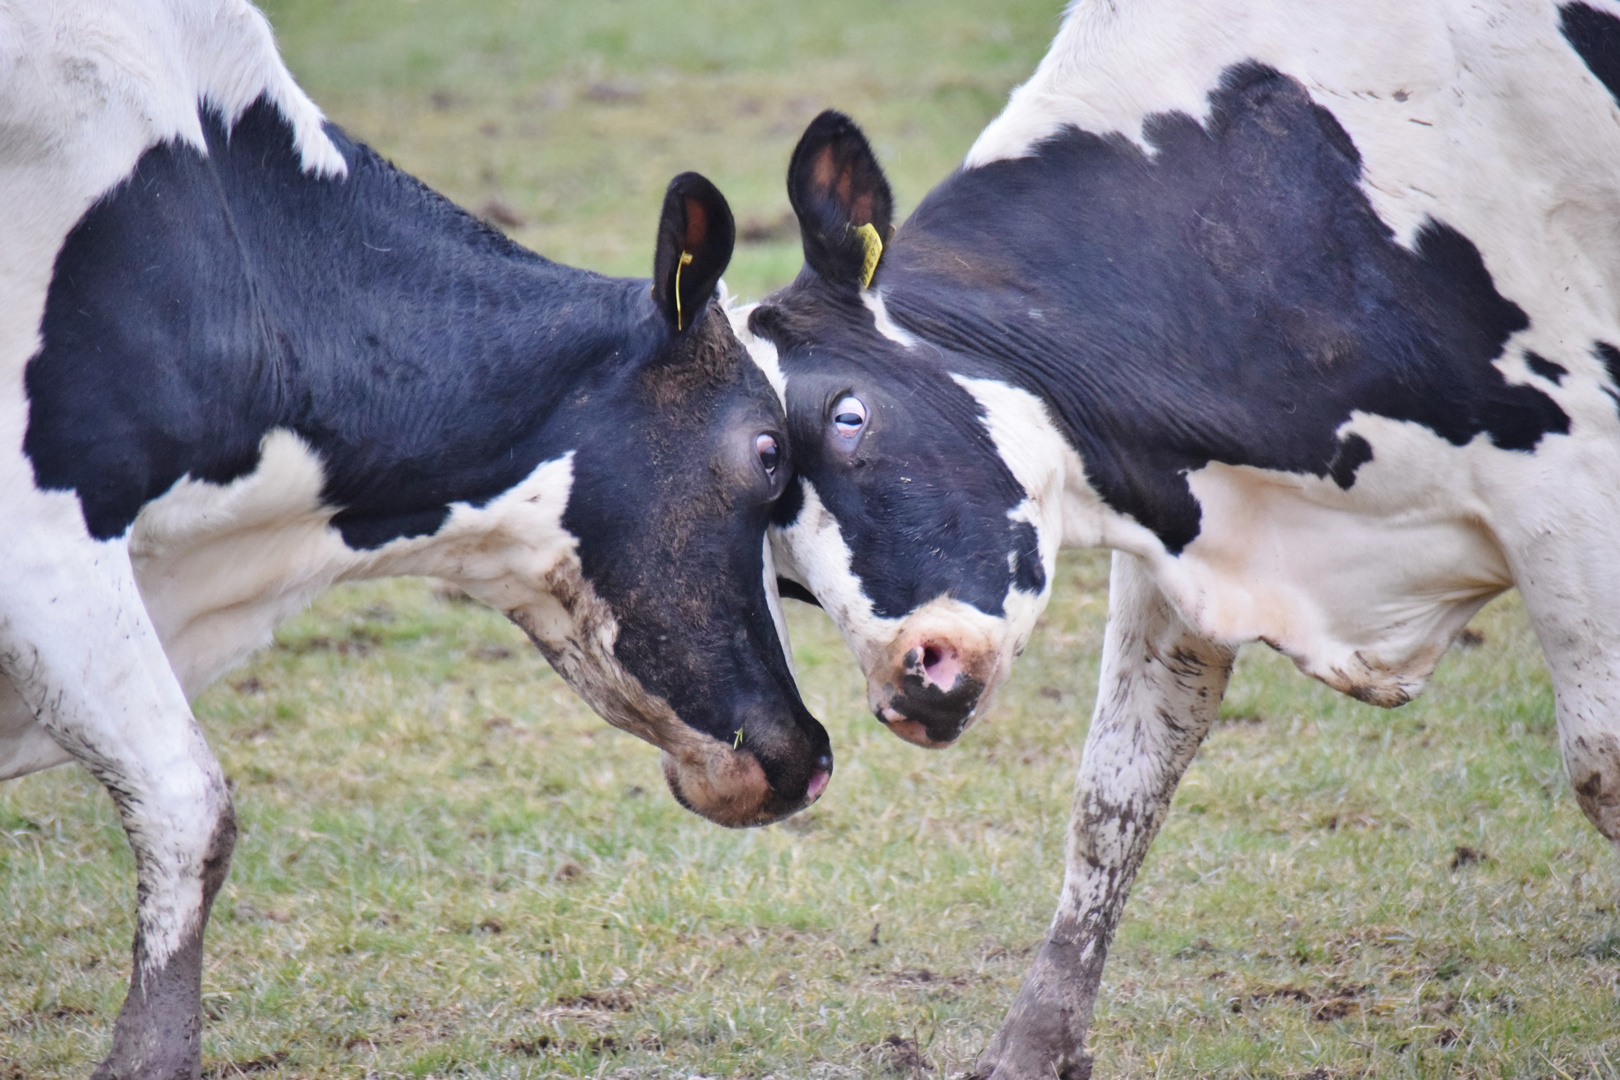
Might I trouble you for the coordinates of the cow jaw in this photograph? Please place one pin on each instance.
(575, 630)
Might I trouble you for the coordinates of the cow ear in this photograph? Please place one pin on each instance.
(695, 237)
(842, 200)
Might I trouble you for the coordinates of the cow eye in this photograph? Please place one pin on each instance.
(849, 416)
(769, 454)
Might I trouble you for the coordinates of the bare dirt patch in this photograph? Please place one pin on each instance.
(899, 1055)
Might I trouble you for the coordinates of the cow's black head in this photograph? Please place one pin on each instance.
(905, 522)
(665, 619)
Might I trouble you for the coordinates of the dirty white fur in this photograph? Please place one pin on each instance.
(1160, 692)
(812, 552)
(85, 662)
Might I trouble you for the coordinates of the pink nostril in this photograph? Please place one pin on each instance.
(818, 784)
(940, 665)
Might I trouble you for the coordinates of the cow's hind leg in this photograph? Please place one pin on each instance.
(76, 643)
(1160, 691)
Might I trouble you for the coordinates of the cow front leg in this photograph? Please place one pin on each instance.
(78, 647)
(1573, 601)
(158, 1034)
(1160, 691)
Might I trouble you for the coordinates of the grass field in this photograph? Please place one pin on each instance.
(450, 867)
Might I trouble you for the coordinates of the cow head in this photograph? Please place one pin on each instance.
(905, 521)
(665, 617)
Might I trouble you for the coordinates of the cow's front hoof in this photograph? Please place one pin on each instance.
(158, 1053)
(112, 1069)
(1030, 1064)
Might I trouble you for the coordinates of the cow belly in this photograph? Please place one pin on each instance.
(1363, 596)
(24, 745)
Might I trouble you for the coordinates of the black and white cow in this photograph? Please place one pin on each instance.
(243, 358)
(1309, 310)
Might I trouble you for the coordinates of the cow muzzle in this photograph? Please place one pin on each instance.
(934, 678)
(730, 787)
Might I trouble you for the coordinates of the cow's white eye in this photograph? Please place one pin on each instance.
(849, 416)
(769, 455)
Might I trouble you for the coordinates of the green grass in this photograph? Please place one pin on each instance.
(449, 866)
(575, 115)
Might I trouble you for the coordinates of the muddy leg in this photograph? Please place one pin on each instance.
(1160, 691)
(78, 647)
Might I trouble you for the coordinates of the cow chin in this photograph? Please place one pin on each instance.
(931, 681)
(708, 777)
(724, 785)
(575, 632)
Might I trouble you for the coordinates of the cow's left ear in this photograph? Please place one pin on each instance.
(695, 237)
(842, 199)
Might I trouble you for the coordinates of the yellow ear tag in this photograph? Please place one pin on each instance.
(686, 260)
(874, 252)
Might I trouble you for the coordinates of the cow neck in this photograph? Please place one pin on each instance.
(437, 346)
(420, 355)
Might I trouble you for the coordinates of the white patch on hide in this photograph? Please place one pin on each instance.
(812, 552)
(221, 565)
(773, 598)
(873, 299)
(761, 350)
(1482, 118)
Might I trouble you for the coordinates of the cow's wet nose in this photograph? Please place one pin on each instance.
(929, 681)
(933, 696)
(820, 777)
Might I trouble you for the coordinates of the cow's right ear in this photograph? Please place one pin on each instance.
(842, 200)
(695, 237)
